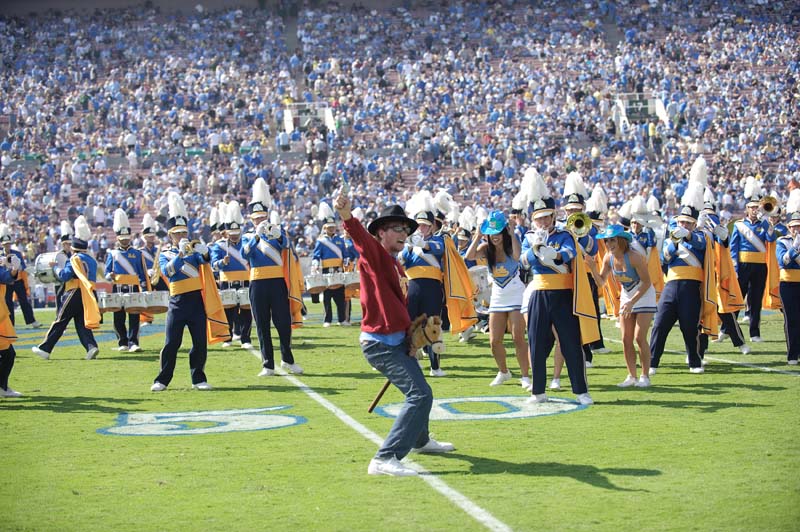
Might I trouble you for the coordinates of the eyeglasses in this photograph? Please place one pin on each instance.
(400, 229)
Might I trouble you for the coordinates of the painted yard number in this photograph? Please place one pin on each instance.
(194, 423)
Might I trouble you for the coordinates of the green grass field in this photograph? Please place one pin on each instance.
(717, 451)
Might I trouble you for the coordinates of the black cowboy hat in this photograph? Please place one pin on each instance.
(392, 213)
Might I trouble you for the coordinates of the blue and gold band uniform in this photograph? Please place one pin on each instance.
(589, 244)
(789, 263)
(551, 307)
(681, 299)
(425, 290)
(233, 276)
(72, 307)
(20, 288)
(125, 268)
(186, 310)
(329, 253)
(748, 249)
(269, 295)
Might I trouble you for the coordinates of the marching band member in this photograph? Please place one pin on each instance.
(328, 257)
(575, 196)
(194, 300)
(149, 251)
(383, 337)
(66, 250)
(501, 250)
(729, 294)
(749, 252)
(273, 287)
(690, 293)
(126, 271)
(463, 238)
(645, 237)
(558, 297)
(772, 296)
(422, 259)
(233, 270)
(20, 287)
(637, 301)
(8, 274)
(517, 217)
(788, 255)
(79, 275)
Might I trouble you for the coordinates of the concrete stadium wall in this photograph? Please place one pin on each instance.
(24, 7)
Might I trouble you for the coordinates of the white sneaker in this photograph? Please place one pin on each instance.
(226, 344)
(628, 382)
(236, 338)
(745, 349)
(643, 382)
(266, 372)
(41, 352)
(585, 399)
(652, 372)
(144, 324)
(292, 368)
(158, 387)
(345, 323)
(792, 362)
(121, 348)
(437, 373)
(555, 384)
(467, 335)
(538, 398)
(525, 382)
(696, 370)
(202, 386)
(721, 338)
(601, 351)
(326, 324)
(391, 467)
(434, 446)
(247, 345)
(91, 354)
(36, 325)
(134, 348)
(744, 319)
(703, 362)
(500, 378)
(8, 392)
(756, 339)
(589, 364)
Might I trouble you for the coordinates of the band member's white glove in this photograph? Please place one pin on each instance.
(536, 238)
(150, 273)
(680, 233)
(275, 231)
(109, 276)
(720, 231)
(796, 243)
(702, 220)
(15, 263)
(418, 250)
(417, 240)
(547, 254)
(200, 248)
(183, 245)
(262, 229)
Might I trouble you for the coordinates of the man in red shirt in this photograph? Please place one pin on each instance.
(384, 342)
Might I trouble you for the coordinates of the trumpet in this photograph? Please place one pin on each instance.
(579, 224)
(768, 204)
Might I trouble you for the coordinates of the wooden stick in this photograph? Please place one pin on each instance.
(378, 397)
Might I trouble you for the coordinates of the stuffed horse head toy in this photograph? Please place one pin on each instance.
(425, 331)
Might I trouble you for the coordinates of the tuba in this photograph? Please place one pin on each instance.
(579, 224)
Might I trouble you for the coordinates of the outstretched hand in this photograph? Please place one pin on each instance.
(342, 205)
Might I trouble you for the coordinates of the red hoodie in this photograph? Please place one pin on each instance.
(383, 305)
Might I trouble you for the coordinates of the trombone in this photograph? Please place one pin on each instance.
(579, 224)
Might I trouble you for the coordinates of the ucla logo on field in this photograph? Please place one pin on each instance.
(196, 423)
(489, 408)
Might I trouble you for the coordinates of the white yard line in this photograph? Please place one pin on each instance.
(726, 361)
(481, 515)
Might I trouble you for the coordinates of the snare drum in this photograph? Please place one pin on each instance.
(134, 302)
(335, 280)
(157, 302)
(316, 283)
(352, 281)
(229, 297)
(42, 269)
(243, 296)
(109, 302)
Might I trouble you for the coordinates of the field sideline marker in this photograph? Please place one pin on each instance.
(473, 510)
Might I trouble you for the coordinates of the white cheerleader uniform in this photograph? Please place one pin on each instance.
(630, 282)
(507, 287)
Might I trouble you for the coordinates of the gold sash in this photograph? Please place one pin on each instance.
(582, 302)
(91, 312)
(772, 294)
(216, 322)
(458, 290)
(7, 333)
(729, 292)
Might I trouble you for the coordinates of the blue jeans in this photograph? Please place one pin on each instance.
(410, 428)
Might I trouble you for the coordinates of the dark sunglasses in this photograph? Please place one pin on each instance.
(400, 229)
